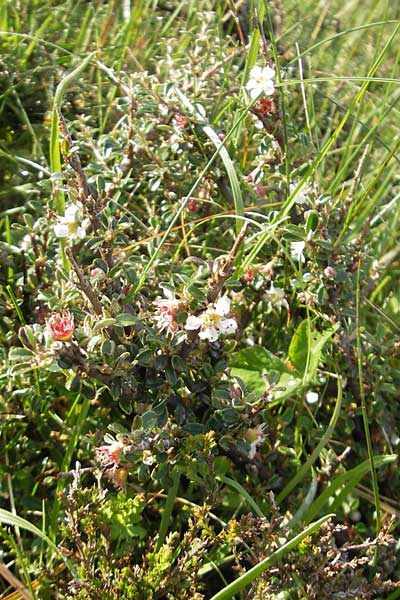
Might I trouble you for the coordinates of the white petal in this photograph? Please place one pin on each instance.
(167, 293)
(228, 326)
(61, 230)
(193, 323)
(251, 84)
(256, 72)
(223, 306)
(253, 449)
(268, 73)
(80, 233)
(296, 251)
(312, 397)
(210, 333)
(254, 93)
(268, 87)
(301, 196)
(71, 212)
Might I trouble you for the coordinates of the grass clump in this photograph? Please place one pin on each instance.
(199, 320)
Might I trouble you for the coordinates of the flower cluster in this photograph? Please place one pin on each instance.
(213, 321)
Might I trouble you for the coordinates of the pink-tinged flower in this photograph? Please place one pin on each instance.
(213, 322)
(268, 269)
(264, 106)
(192, 205)
(249, 275)
(329, 272)
(261, 190)
(166, 311)
(96, 272)
(110, 455)
(308, 298)
(61, 326)
(180, 120)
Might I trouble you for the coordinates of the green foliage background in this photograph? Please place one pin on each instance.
(152, 94)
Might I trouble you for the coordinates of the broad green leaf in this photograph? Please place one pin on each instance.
(126, 319)
(251, 363)
(257, 358)
(306, 347)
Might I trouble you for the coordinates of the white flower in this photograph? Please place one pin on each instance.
(312, 397)
(70, 224)
(212, 322)
(296, 251)
(276, 298)
(260, 82)
(255, 437)
(301, 196)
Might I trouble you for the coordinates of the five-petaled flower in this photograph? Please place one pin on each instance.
(61, 326)
(261, 82)
(70, 225)
(213, 321)
(275, 297)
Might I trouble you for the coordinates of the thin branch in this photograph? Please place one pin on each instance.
(14, 582)
(83, 285)
(225, 270)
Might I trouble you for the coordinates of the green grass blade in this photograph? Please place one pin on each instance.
(346, 482)
(167, 512)
(7, 518)
(364, 405)
(258, 569)
(55, 156)
(226, 159)
(81, 414)
(238, 488)
(301, 473)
